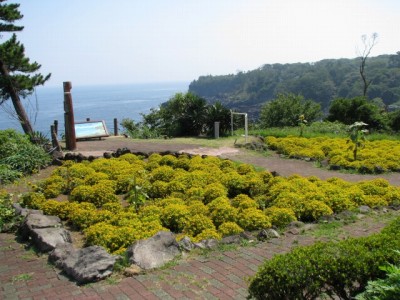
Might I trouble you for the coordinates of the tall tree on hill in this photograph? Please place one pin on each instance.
(18, 74)
(368, 44)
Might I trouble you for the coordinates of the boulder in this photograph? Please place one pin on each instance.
(266, 234)
(364, 209)
(206, 244)
(186, 244)
(46, 239)
(155, 251)
(232, 239)
(84, 265)
(46, 232)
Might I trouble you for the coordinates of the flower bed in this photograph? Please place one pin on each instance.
(198, 197)
(376, 157)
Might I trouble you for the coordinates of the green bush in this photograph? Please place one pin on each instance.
(340, 270)
(7, 214)
(19, 156)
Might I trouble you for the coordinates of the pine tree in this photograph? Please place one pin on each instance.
(18, 74)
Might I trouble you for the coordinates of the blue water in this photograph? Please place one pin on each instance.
(95, 102)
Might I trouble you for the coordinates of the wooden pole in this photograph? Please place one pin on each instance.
(70, 137)
(56, 127)
(54, 139)
(115, 127)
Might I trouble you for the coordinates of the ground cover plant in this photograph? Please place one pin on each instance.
(375, 157)
(198, 197)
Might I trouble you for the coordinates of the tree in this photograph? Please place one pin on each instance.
(19, 77)
(218, 113)
(286, 109)
(182, 115)
(368, 45)
(348, 111)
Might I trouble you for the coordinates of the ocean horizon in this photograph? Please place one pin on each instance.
(97, 102)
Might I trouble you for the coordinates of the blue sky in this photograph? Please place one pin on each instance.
(130, 41)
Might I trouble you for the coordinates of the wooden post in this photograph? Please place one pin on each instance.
(115, 127)
(56, 127)
(70, 137)
(54, 140)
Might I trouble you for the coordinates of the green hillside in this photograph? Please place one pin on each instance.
(321, 81)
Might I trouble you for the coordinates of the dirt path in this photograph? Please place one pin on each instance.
(273, 162)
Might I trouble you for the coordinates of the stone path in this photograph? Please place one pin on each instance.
(214, 275)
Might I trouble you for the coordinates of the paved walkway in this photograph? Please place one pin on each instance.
(214, 275)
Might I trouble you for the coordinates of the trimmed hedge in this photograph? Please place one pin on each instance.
(340, 269)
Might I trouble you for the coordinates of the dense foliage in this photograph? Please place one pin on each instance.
(338, 270)
(286, 110)
(183, 115)
(348, 111)
(18, 156)
(8, 219)
(376, 156)
(387, 288)
(321, 81)
(197, 197)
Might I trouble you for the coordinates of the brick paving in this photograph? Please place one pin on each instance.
(214, 275)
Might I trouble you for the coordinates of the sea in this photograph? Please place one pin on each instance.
(96, 102)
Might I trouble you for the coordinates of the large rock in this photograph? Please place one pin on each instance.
(155, 251)
(84, 265)
(46, 232)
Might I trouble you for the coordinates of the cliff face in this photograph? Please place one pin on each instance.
(321, 81)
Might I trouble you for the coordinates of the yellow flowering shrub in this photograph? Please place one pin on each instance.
(213, 191)
(376, 156)
(221, 211)
(194, 193)
(314, 209)
(243, 201)
(95, 177)
(82, 218)
(174, 217)
(200, 197)
(207, 234)
(197, 208)
(162, 173)
(150, 212)
(195, 224)
(235, 183)
(33, 200)
(229, 228)
(392, 196)
(253, 219)
(114, 238)
(168, 160)
(131, 158)
(244, 169)
(280, 216)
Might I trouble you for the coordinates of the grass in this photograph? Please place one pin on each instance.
(199, 141)
(22, 277)
(328, 231)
